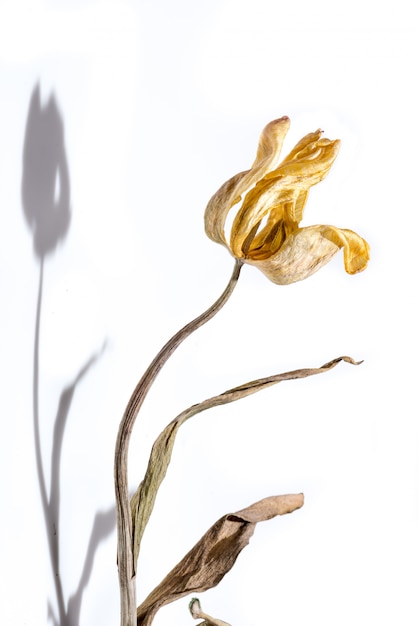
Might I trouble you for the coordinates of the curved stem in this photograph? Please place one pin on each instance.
(126, 565)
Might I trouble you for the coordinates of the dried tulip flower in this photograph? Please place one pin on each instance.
(265, 231)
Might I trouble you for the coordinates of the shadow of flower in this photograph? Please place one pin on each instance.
(45, 180)
(46, 204)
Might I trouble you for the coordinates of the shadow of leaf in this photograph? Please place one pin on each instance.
(104, 523)
(52, 512)
(52, 616)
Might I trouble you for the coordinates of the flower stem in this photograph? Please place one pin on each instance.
(126, 565)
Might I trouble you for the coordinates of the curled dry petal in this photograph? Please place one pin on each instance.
(214, 555)
(268, 153)
(306, 250)
(265, 231)
(278, 194)
(356, 249)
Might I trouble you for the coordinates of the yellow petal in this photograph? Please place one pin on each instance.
(310, 165)
(306, 141)
(270, 145)
(356, 249)
(218, 208)
(287, 187)
(308, 249)
(268, 153)
(271, 203)
(302, 254)
(298, 206)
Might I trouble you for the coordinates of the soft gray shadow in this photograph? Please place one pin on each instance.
(46, 205)
(45, 180)
(103, 525)
(52, 512)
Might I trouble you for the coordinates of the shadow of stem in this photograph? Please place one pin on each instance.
(104, 522)
(46, 203)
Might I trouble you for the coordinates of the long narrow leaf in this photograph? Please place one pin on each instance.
(142, 502)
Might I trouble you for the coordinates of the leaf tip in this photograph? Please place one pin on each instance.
(349, 359)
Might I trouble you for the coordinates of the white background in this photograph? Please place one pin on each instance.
(160, 103)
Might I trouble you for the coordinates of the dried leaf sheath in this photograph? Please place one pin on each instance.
(143, 500)
(214, 555)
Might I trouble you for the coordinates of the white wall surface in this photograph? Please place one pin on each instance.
(157, 104)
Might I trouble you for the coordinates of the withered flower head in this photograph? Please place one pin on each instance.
(265, 231)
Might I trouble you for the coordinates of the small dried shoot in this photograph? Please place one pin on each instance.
(197, 613)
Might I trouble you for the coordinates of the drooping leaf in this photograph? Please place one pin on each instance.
(214, 554)
(142, 502)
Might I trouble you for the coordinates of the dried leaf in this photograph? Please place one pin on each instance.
(143, 500)
(214, 555)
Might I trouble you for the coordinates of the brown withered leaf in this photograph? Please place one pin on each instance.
(214, 555)
(142, 502)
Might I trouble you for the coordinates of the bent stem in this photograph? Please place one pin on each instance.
(126, 564)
